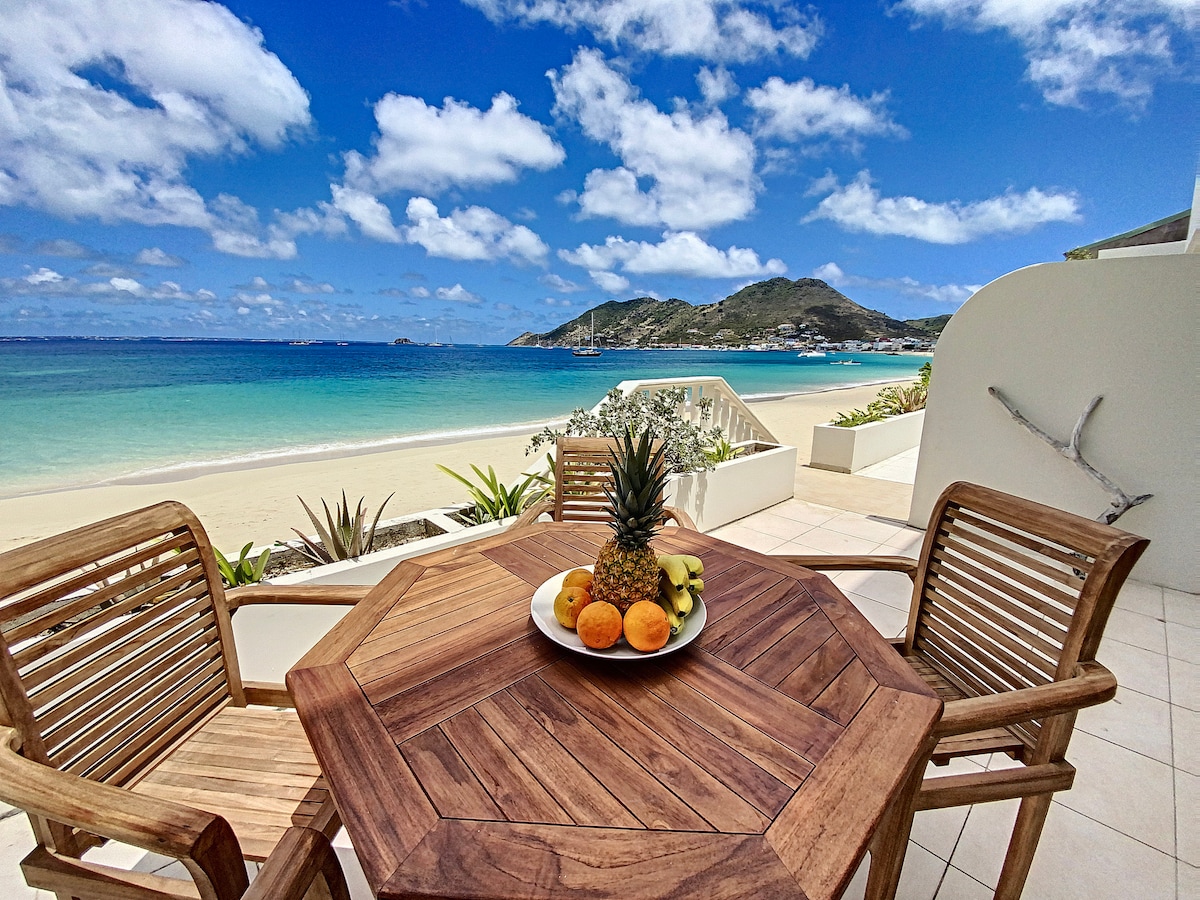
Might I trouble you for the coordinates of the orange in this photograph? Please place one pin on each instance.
(599, 625)
(569, 603)
(646, 626)
(578, 578)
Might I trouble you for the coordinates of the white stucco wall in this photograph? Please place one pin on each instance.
(1051, 337)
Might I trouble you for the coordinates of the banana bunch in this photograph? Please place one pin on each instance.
(678, 582)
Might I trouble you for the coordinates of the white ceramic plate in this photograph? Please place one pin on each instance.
(542, 610)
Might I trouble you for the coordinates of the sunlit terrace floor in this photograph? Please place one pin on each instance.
(1128, 829)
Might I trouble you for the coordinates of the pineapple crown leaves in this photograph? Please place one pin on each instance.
(639, 476)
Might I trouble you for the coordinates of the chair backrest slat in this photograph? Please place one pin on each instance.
(1042, 633)
(1020, 657)
(90, 612)
(1015, 537)
(1011, 593)
(581, 472)
(111, 645)
(999, 567)
(27, 614)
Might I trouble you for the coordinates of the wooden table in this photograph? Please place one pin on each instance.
(470, 756)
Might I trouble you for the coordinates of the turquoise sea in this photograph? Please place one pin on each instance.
(82, 411)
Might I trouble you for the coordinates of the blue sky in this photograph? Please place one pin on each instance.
(372, 170)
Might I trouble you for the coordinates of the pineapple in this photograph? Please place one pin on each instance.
(627, 568)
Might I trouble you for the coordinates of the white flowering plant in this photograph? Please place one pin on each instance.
(687, 444)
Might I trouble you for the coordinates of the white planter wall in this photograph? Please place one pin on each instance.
(850, 449)
(736, 488)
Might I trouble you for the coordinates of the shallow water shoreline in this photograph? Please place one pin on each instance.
(185, 471)
(260, 505)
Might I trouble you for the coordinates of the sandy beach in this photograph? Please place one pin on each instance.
(259, 504)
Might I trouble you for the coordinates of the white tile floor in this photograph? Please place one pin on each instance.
(902, 467)
(1130, 827)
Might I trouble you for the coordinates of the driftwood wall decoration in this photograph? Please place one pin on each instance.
(1121, 501)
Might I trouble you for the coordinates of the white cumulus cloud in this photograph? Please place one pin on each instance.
(424, 148)
(458, 294)
(44, 276)
(475, 233)
(859, 206)
(103, 104)
(735, 30)
(699, 170)
(679, 253)
(609, 281)
(155, 256)
(804, 109)
(1077, 47)
(953, 294)
(367, 212)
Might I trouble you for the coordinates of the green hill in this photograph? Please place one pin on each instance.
(806, 307)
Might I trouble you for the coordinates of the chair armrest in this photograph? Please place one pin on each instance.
(674, 513)
(297, 594)
(203, 841)
(301, 857)
(532, 514)
(1092, 684)
(855, 563)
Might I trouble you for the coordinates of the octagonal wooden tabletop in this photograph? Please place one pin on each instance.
(471, 756)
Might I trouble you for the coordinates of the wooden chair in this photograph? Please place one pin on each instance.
(119, 681)
(580, 474)
(303, 864)
(1009, 605)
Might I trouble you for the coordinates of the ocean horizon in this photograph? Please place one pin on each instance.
(86, 411)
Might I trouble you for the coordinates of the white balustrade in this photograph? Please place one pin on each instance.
(729, 412)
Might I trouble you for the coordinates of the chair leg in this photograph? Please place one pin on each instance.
(891, 838)
(1026, 833)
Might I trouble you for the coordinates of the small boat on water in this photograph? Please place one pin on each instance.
(811, 353)
(589, 350)
(846, 362)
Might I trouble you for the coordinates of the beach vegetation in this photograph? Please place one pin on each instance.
(245, 570)
(893, 400)
(686, 444)
(494, 500)
(722, 451)
(344, 535)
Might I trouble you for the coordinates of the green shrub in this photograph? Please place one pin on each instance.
(245, 570)
(722, 451)
(857, 417)
(347, 537)
(686, 443)
(893, 400)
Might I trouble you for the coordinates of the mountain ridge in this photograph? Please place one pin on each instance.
(806, 309)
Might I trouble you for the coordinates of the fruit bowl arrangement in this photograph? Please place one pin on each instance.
(560, 610)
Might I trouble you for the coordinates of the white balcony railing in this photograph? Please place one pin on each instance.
(729, 411)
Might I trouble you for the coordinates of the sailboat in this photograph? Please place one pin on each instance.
(591, 349)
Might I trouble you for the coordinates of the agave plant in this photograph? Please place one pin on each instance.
(245, 570)
(897, 400)
(347, 536)
(494, 500)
